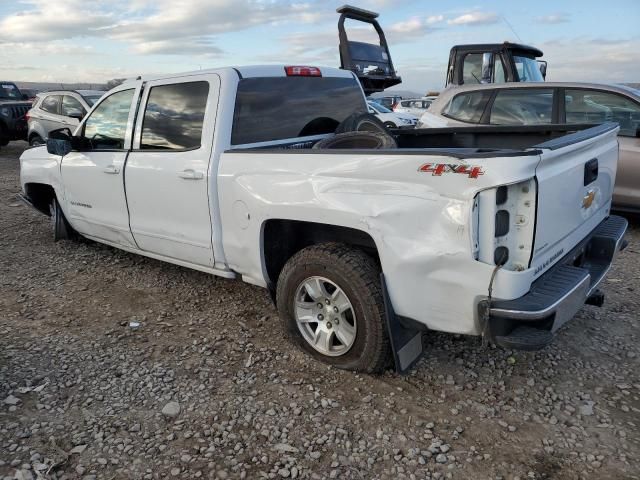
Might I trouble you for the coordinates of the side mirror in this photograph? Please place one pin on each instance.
(487, 58)
(543, 68)
(59, 142)
(77, 115)
(25, 96)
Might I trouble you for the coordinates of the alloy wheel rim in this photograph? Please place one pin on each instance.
(324, 316)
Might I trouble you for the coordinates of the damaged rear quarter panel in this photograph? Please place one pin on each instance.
(418, 221)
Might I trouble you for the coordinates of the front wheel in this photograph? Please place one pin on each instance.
(330, 301)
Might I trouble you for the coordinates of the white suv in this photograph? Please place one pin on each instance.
(58, 109)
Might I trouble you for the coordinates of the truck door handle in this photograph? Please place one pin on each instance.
(190, 174)
(113, 170)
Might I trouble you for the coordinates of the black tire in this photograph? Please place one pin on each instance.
(362, 122)
(62, 230)
(365, 140)
(390, 125)
(4, 136)
(36, 140)
(358, 275)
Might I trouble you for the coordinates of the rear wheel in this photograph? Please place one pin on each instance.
(4, 135)
(61, 228)
(330, 302)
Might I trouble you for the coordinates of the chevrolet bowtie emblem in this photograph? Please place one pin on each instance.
(587, 200)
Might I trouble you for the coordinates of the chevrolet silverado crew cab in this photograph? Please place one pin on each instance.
(364, 236)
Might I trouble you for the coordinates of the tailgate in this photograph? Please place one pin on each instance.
(575, 178)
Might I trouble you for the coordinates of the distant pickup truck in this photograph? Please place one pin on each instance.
(13, 107)
(237, 172)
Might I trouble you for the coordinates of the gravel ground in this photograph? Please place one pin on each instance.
(207, 387)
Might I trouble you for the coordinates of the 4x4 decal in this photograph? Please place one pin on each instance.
(437, 169)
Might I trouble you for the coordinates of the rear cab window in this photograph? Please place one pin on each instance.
(279, 108)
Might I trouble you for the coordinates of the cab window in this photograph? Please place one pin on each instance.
(592, 106)
(472, 68)
(467, 107)
(50, 104)
(522, 106)
(174, 116)
(498, 70)
(71, 106)
(106, 127)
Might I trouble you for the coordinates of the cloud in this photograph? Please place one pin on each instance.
(53, 20)
(475, 18)
(434, 19)
(553, 19)
(151, 26)
(586, 59)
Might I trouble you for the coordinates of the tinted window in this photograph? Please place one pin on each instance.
(278, 108)
(92, 99)
(50, 103)
(528, 69)
(589, 106)
(467, 107)
(9, 91)
(472, 68)
(71, 106)
(174, 116)
(107, 125)
(522, 106)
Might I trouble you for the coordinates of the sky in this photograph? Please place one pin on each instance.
(97, 40)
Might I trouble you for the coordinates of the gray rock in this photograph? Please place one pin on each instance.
(11, 400)
(441, 458)
(171, 409)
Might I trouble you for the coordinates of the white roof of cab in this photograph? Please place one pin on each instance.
(249, 72)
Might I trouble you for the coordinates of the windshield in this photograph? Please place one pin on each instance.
(380, 108)
(528, 69)
(10, 91)
(92, 99)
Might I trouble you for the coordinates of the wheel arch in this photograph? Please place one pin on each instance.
(283, 238)
(40, 195)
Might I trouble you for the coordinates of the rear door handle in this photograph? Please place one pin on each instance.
(113, 170)
(190, 174)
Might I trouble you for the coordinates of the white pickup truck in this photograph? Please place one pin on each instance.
(502, 232)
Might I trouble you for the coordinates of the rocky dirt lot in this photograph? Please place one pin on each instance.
(206, 386)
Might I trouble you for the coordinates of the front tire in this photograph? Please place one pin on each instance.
(330, 301)
(62, 230)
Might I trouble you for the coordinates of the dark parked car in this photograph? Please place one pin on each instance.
(13, 107)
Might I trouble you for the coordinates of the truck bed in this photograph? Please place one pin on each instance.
(464, 142)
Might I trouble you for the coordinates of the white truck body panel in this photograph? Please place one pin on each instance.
(422, 224)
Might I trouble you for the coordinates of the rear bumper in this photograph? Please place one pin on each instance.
(529, 322)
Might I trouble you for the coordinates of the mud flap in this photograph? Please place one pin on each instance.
(406, 342)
